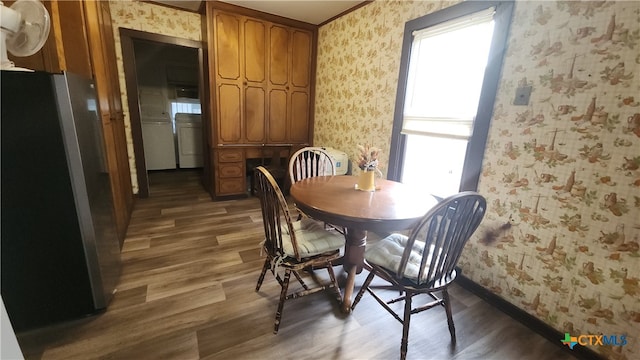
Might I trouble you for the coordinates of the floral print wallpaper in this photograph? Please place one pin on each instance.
(357, 75)
(566, 170)
(142, 16)
(561, 174)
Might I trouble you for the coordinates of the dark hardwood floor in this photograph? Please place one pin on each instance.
(190, 268)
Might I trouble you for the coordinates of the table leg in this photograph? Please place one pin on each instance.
(348, 290)
(353, 261)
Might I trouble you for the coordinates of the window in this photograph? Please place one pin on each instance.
(439, 174)
(451, 63)
(184, 106)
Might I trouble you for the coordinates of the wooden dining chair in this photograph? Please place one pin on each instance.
(293, 247)
(310, 161)
(424, 262)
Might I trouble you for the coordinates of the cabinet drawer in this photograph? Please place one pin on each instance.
(227, 170)
(231, 186)
(232, 155)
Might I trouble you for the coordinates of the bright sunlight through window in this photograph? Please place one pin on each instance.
(446, 70)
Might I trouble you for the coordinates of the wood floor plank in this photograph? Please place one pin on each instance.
(181, 345)
(165, 289)
(136, 244)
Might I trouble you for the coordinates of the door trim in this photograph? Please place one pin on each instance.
(127, 38)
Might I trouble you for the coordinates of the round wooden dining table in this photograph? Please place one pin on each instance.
(335, 200)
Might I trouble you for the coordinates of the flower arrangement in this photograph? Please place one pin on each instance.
(368, 157)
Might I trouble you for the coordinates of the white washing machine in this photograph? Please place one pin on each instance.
(159, 144)
(189, 134)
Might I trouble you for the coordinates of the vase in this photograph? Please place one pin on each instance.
(367, 180)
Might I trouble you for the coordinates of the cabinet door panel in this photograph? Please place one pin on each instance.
(301, 58)
(74, 38)
(115, 101)
(229, 126)
(105, 89)
(278, 55)
(227, 46)
(254, 113)
(299, 117)
(255, 55)
(278, 116)
(123, 163)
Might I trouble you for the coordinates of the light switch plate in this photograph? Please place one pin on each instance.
(522, 95)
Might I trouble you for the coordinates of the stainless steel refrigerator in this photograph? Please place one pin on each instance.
(60, 255)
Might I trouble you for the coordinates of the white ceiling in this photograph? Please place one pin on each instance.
(309, 11)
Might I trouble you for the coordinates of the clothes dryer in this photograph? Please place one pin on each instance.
(189, 134)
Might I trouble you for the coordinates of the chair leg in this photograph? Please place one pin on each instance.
(283, 297)
(264, 271)
(304, 285)
(447, 307)
(404, 344)
(334, 282)
(364, 287)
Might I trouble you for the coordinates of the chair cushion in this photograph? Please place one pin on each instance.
(312, 238)
(387, 253)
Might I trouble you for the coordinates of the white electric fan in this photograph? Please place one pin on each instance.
(24, 30)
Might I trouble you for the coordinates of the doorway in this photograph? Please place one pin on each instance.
(164, 75)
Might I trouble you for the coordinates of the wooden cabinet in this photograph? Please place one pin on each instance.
(262, 73)
(262, 80)
(81, 42)
(289, 85)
